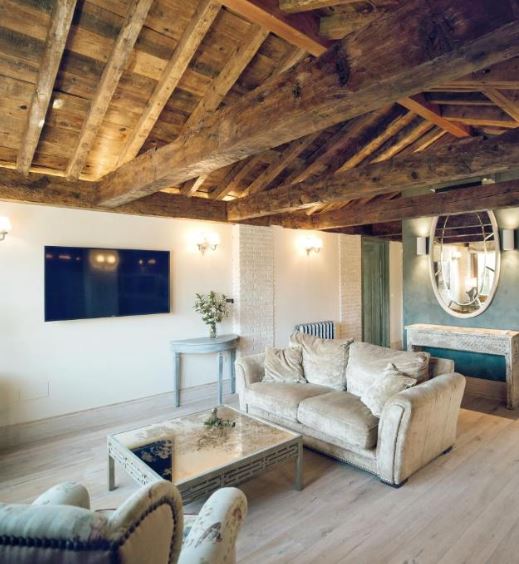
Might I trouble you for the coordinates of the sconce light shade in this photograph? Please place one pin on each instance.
(508, 239)
(312, 245)
(5, 227)
(421, 246)
(207, 241)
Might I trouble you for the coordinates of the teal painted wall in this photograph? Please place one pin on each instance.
(421, 306)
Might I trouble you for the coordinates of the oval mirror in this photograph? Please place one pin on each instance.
(464, 262)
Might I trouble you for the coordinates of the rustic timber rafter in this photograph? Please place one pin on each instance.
(81, 194)
(458, 200)
(295, 6)
(54, 47)
(461, 160)
(355, 76)
(112, 73)
(191, 39)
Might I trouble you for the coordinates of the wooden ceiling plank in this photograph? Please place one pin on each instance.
(338, 26)
(403, 140)
(192, 186)
(460, 200)
(296, 6)
(419, 105)
(428, 140)
(233, 179)
(300, 30)
(480, 116)
(187, 46)
(112, 73)
(504, 102)
(458, 161)
(54, 46)
(59, 192)
(357, 75)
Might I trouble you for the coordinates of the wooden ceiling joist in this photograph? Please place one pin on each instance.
(419, 105)
(460, 160)
(338, 26)
(188, 44)
(300, 30)
(295, 6)
(61, 21)
(112, 73)
(355, 76)
(504, 102)
(459, 200)
(80, 194)
(403, 139)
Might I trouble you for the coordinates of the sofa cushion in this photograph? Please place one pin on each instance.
(324, 360)
(341, 416)
(281, 399)
(284, 365)
(384, 387)
(367, 362)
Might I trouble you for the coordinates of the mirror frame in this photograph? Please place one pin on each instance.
(434, 285)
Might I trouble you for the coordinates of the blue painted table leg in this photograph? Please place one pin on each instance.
(176, 378)
(233, 371)
(220, 378)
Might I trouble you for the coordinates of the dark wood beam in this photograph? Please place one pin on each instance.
(296, 6)
(459, 200)
(357, 75)
(58, 192)
(54, 47)
(460, 160)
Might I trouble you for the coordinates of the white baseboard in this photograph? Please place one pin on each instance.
(489, 389)
(101, 417)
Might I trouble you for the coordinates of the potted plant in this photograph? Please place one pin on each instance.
(213, 308)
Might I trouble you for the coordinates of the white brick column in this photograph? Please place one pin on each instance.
(253, 283)
(350, 286)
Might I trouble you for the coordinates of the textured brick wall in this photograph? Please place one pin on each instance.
(253, 281)
(350, 258)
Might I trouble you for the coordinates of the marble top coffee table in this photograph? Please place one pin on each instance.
(200, 459)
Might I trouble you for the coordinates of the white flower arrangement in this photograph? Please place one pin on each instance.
(213, 308)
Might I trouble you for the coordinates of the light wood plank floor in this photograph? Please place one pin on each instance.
(464, 507)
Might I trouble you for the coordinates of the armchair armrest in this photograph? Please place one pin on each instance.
(213, 535)
(249, 369)
(417, 425)
(67, 493)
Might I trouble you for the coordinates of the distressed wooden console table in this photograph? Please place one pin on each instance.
(204, 345)
(487, 341)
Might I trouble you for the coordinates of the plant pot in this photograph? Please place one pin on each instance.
(212, 330)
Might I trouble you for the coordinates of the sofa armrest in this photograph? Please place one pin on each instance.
(249, 369)
(417, 425)
(67, 493)
(213, 535)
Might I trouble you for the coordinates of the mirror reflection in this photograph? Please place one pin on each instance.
(464, 262)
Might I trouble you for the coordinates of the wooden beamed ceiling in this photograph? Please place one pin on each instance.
(136, 97)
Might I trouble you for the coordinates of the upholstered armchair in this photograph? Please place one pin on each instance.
(59, 527)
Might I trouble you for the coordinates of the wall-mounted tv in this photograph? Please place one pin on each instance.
(84, 283)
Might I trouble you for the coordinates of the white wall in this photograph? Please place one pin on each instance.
(306, 288)
(48, 369)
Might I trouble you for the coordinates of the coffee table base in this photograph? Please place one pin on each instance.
(201, 486)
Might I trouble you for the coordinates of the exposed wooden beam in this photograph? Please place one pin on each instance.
(187, 46)
(54, 46)
(504, 102)
(427, 140)
(461, 160)
(459, 200)
(480, 116)
(219, 88)
(112, 73)
(236, 176)
(299, 30)
(503, 76)
(338, 26)
(295, 6)
(281, 162)
(355, 76)
(403, 139)
(419, 105)
(58, 192)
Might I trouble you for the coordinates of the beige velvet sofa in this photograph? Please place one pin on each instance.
(415, 426)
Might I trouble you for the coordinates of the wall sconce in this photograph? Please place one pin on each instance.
(207, 241)
(312, 245)
(421, 246)
(5, 227)
(508, 239)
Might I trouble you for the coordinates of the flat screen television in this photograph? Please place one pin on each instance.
(84, 283)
